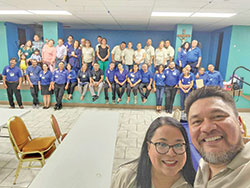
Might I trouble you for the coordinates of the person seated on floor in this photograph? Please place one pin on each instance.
(58, 84)
(202, 75)
(72, 81)
(121, 81)
(83, 77)
(134, 79)
(110, 82)
(165, 159)
(96, 80)
(146, 82)
(214, 77)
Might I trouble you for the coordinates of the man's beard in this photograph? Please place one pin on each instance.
(223, 156)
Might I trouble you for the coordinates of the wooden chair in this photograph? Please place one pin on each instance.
(246, 138)
(26, 148)
(56, 129)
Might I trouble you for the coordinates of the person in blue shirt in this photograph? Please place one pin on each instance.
(12, 79)
(74, 54)
(194, 57)
(171, 85)
(44, 84)
(181, 59)
(69, 44)
(32, 75)
(214, 77)
(120, 80)
(110, 82)
(185, 84)
(159, 85)
(83, 77)
(146, 82)
(134, 79)
(72, 81)
(202, 75)
(59, 80)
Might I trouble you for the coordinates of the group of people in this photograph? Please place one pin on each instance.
(74, 64)
(165, 159)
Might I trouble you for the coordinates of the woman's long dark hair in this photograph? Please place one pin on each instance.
(183, 45)
(143, 177)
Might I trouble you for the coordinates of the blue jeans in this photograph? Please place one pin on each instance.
(128, 67)
(159, 95)
(183, 97)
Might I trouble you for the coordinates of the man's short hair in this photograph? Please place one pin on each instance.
(13, 59)
(210, 91)
(123, 42)
(60, 39)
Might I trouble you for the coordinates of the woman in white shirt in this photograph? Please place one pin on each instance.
(140, 55)
(88, 55)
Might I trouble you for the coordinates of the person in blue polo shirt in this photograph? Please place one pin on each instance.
(83, 77)
(12, 79)
(59, 80)
(121, 80)
(110, 82)
(134, 79)
(171, 85)
(185, 84)
(202, 75)
(146, 82)
(181, 59)
(159, 84)
(194, 57)
(72, 80)
(44, 84)
(214, 77)
(32, 75)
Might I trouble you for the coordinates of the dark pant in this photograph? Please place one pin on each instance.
(120, 89)
(134, 89)
(89, 66)
(71, 87)
(59, 91)
(159, 95)
(194, 69)
(106, 87)
(170, 92)
(34, 93)
(183, 98)
(12, 87)
(146, 94)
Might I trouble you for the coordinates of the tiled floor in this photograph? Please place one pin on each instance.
(132, 127)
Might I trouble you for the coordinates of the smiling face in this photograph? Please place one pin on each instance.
(149, 42)
(215, 130)
(138, 46)
(169, 164)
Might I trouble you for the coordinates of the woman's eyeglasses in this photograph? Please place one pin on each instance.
(163, 148)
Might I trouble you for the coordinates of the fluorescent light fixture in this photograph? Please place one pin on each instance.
(50, 12)
(172, 14)
(14, 12)
(214, 15)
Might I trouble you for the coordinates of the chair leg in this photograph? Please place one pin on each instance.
(42, 162)
(18, 171)
(30, 164)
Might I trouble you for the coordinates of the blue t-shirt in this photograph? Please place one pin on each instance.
(45, 78)
(214, 79)
(186, 81)
(159, 79)
(193, 54)
(72, 75)
(12, 74)
(146, 76)
(172, 77)
(33, 73)
(181, 56)
(60, 77)
(203, 77)
(121, 76)
(110, 74)
(83, 76)
(134, 77)
(67, 45)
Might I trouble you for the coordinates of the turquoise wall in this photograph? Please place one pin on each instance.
(239, 54)
(52, 30)
(4, 56)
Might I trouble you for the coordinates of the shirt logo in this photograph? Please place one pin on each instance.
(12, 74)
(163, 76)
(7, 70)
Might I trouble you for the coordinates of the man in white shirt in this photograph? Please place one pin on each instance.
(61, 52)
(116, 53)
(170, 51)
(150, 53)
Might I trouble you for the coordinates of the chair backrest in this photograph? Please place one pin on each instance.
(18, 132)
(243, 126)
(56, 128)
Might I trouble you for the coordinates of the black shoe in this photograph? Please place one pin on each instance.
(21, 107)
(44, 107)
(56, 108)
(11, 107)
(170, 111)
(59, 108)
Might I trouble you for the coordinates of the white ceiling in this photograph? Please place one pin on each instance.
(130, 14)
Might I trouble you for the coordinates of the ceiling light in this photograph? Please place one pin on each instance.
(8, 12)
(172, 14)
(214, 15)
(50, 12)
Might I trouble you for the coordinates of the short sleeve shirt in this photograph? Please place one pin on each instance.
(128, 55)
(96, 75)
(139, 55)
(160, 55)
(117, 53)
(12, 74)
(150, 51)
(88, 54)
(170, 52)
